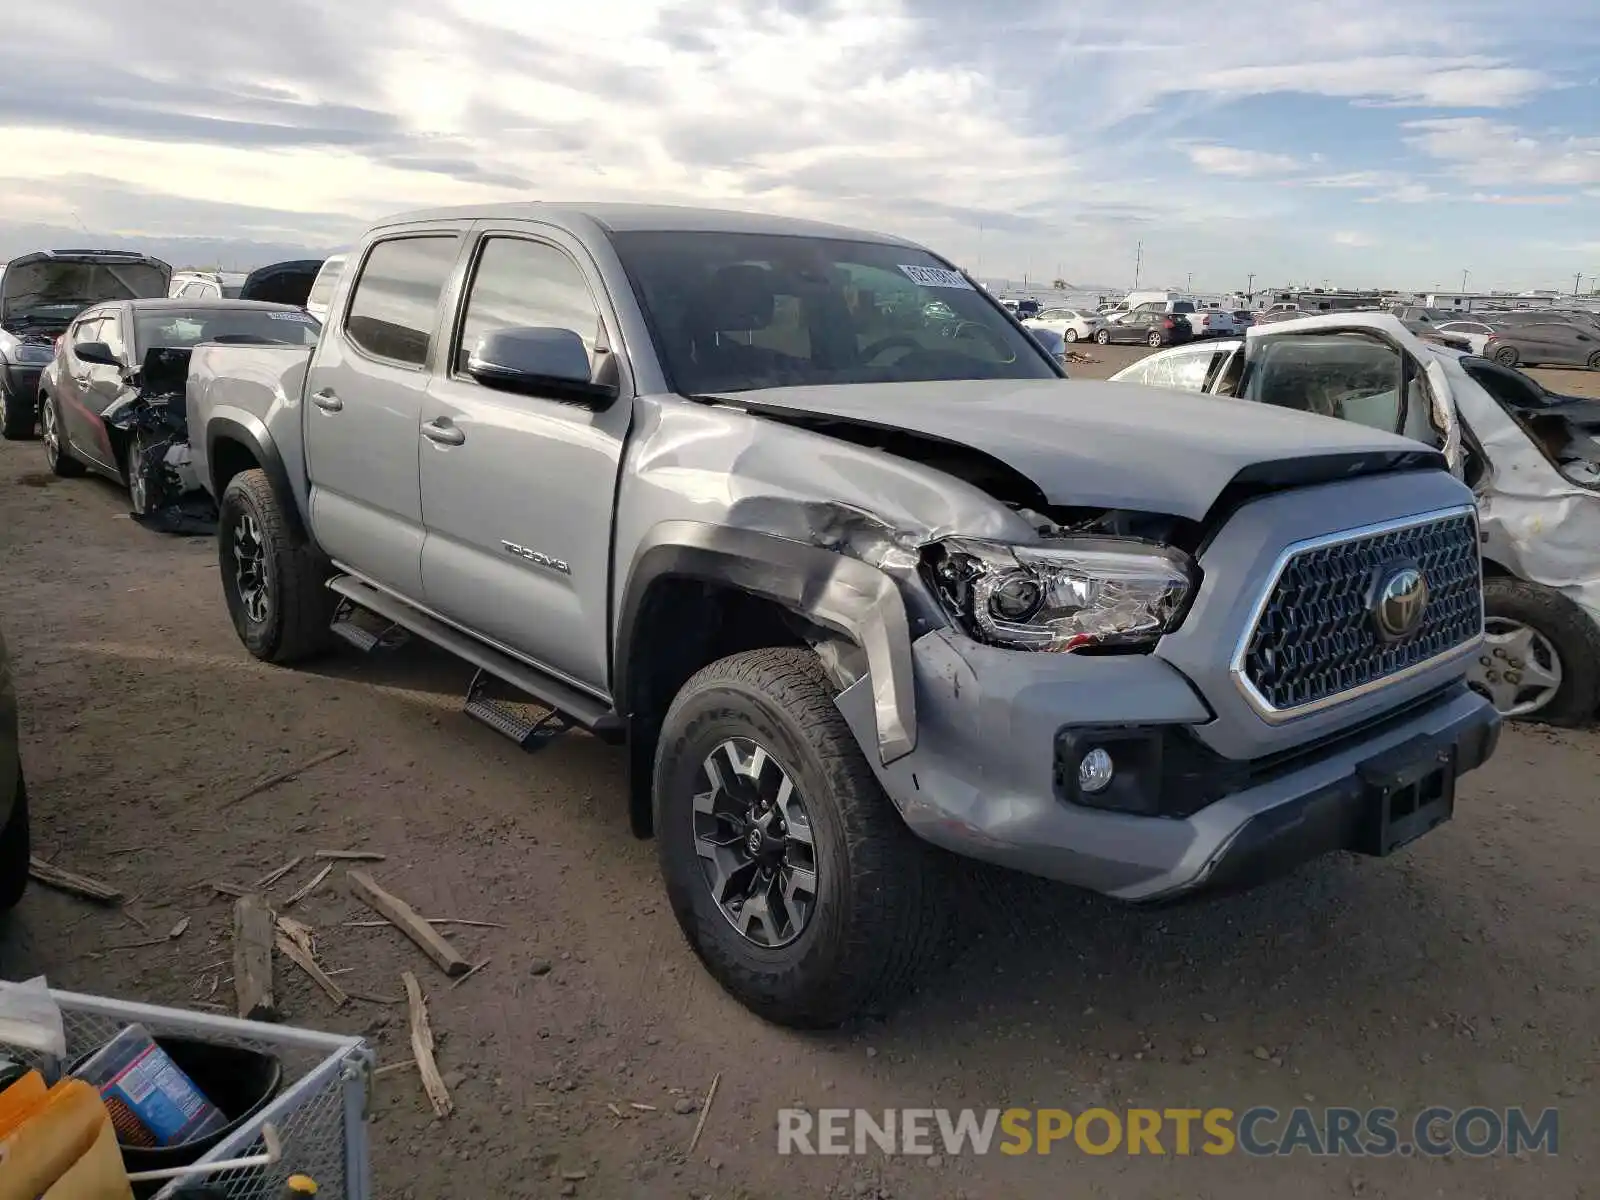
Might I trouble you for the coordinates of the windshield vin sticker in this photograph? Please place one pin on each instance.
(936, 277)
(301, 318)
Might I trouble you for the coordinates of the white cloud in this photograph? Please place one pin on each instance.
(1233, 160)
(1481, 151)
(1353, 238)
(1474, 82)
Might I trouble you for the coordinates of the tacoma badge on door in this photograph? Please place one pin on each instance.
(534, 556)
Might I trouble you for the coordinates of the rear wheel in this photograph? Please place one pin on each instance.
(1506, 356)
(17, 418)
(1103, 337)
(14, 849)
(1154, 339)
(791, 874)
(56, 451)
(1541, 655)
(273, 580)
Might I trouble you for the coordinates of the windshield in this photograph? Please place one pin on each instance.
(179, 327)
(52, 290)
(733, 312)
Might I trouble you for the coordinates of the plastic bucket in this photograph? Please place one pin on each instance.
(240, 1082)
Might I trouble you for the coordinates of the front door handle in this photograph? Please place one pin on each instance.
(326, 400)
(443, 432)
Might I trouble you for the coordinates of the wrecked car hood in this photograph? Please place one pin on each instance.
(39, 279)
(1090, 443)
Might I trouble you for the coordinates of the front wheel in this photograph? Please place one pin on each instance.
(144, 499)
(17, 418)
(791, 874)
(1594, 361)
(1154, 339)
(1071, 335)
(14, 849)
(56, 451)
(273, 580)
(1103, 337)
(1540, 659)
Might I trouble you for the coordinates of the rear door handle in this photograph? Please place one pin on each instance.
(444, 432)
(327, 401)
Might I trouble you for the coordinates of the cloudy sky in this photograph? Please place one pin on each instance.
(1363, 142)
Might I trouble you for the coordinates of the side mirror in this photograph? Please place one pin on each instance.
(538, 361)
(98, 353)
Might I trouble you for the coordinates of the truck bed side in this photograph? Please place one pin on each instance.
(246, 401)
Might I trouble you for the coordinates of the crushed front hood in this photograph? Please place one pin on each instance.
(1102, 444)
(79, 277)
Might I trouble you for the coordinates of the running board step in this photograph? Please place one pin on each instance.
(348, 624)
(577, 707)
(499, 716)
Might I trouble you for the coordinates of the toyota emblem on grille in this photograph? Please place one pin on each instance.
(1401, 601)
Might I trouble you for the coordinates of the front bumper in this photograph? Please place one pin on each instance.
(21, 380)
(986, 779)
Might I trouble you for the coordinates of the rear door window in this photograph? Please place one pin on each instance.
(395, 307)
(1348, 376)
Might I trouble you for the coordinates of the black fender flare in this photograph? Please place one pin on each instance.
(831, 590)
(253, 436)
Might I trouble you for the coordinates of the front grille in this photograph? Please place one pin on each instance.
(1316, 640)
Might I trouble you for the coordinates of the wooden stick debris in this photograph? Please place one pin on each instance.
(272, 781)
(316, 882)
(422, 1048)
(401, 914)
(272, 877)
(148, 942)
(252, 959)
(394, 1068)
(470, 973)
(228, 889)
(133, 919)
(178, 930)
(369, 998)
(431, 920)
(81, 886)
(299, 933)
(705, 1111)
(351, 855)
(296, 953)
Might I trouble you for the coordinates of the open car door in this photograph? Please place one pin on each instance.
(1362, 367)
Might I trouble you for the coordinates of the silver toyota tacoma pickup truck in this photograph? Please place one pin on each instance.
(809, 524)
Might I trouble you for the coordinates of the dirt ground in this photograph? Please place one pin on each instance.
(1463, 971)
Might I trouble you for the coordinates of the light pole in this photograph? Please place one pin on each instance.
(1250, 288)
(1464, 275)
(1189, 286)
(1138, 261)
(1576, 281)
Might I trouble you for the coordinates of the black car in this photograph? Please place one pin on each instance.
(112, 400)
(40, 294)
(1151, 328)
(13, 795)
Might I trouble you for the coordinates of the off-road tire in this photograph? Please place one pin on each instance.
(299, 605)
(14, 849)
(882, 910)
(63, 464)
(1506, 356)
(18, 420)
(1102, 337)
(1569, 630)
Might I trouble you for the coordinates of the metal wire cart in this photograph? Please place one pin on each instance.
(315, 1125)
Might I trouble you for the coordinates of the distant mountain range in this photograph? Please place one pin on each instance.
(222, 254)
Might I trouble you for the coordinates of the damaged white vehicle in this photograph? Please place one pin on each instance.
(1531, 457)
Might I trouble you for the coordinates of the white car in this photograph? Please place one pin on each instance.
(1211, 322)
(1073, 324)
(1476, 332)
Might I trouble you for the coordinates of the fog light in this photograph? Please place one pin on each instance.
(1094, 772)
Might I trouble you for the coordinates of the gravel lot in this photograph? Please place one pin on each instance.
(1461, 972)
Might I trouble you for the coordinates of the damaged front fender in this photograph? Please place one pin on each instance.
(841, 594)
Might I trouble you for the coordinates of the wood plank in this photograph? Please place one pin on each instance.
(272, 877)
(422, 1048)
(352, 855)
(81, 886)
(252, 959)
(450, 960)
(295, 953)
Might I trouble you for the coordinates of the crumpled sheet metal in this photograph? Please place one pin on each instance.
(1536, 522)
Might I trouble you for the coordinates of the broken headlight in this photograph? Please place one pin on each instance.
(1068, 595)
